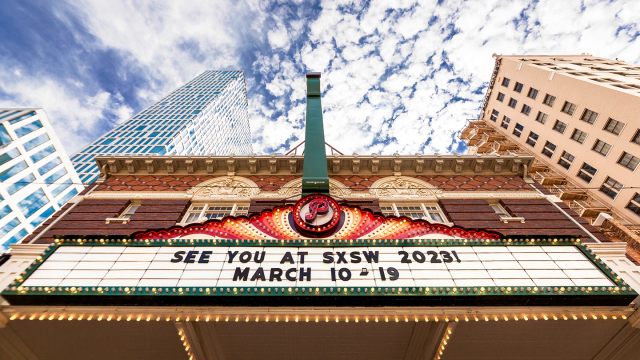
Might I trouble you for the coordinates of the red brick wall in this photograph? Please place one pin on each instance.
(541, 217)
(275, 182)
(88, 218)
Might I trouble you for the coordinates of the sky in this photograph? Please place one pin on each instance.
(397, 76)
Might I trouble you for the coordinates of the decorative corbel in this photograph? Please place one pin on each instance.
(131, 166)
(515, 165)
(418, 165)
(335, 165)
(457, 165)
(497, 165)
(211, 166)
(231, 165)
(293, 166)
(253, 166)
(151, 166)
(113, 166)
(397, 165)
(191, 166)
(104, 170)
(355, 166)
(273, 165)
(375, 164)
(171, 166)
(477, 165)
(438, 164)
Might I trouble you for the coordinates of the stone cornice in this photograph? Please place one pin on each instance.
(338, 165)
(141, 195)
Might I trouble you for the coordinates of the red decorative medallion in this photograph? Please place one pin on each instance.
(316, 214)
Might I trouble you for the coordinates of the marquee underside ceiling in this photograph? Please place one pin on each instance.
(550, 339)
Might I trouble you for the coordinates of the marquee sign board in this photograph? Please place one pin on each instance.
(417, 268)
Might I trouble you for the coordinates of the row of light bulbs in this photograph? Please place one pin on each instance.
(325, 318)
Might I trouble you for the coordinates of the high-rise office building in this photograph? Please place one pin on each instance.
(206, 116)
(577, 115)
(36, 176)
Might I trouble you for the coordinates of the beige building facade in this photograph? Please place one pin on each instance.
(578, 115)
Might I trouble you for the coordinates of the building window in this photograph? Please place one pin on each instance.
(542, 117)
(611, 187)
(629, 161)
(513, 102)
(505, 122)
(560, 126)
(634, 204)
(589, 116)
(500, 211)
(549, 100)
(494, 115)
(566, 160)
(533, 93)
(130, 210)
(569, 108)
(505, 82)
(636, 137)
(388, 210)
(532, 139)
(517, 131)
(601, 147)
(587, 172)
(549, 149)
(518, 87)
(526, 109)
(614, 126)
(500, 96)
(203, 212)
(579, 136)
(429, 212)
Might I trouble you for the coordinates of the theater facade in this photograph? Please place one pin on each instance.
(318, 256)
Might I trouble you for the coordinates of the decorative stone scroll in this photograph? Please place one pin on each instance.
(403, 187)
(230, 186)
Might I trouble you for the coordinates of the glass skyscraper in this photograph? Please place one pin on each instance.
(36, 176)
(206, 116)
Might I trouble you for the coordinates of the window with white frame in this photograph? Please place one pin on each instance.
(429, 212)
(129, 211)
(204, 212)
(498, 209)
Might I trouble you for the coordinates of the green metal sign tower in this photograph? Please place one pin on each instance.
(315, 176)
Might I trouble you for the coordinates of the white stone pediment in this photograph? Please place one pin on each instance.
(403, 187)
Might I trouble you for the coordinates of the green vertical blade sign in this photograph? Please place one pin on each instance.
(315, 176)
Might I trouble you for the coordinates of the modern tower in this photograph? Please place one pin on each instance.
(36, 176)
(578, 115)
(206, 116)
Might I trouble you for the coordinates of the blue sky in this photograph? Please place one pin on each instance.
(398, 76)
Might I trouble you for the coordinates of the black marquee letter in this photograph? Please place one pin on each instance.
(204, 257)
(259, 275)
(288, 274)
(287, 257)
(241, 275)
(177, 257)
(275, 273)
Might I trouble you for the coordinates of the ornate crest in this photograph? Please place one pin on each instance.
(228, 186)
(316, 214)
(402, 186)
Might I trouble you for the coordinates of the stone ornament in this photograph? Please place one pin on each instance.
(229, 186)
(402, 187)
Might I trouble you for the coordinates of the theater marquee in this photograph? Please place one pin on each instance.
(317, 268)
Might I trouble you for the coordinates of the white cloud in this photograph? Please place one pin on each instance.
(391, 69)
(279, 37)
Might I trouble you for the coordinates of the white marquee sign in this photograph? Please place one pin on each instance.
(375, 266)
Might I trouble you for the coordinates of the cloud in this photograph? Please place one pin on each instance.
(399, 76)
